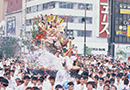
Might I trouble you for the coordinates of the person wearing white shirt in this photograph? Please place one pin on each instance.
(25, 84)
(40, 83)
(100, 84)
(49, 84)
(5, 84)
(70, 61)
(82, 85)
(7, 62)
(126, 85)
(70, 86)
(45, 83)
(34, 82)
(118, 82)
(1, 63)
(90, 86)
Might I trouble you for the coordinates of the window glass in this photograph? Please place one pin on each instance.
(66, 5)
(51, 5)
(82, 6)
(40, 7)
(89, 20)
(80, 33)
(45, 6)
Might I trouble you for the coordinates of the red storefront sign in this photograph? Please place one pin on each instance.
(103, 22)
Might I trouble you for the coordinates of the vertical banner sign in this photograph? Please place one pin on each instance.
(128, 31)
(11, 21)
(103, 20)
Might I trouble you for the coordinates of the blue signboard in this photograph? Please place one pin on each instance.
(11, 26)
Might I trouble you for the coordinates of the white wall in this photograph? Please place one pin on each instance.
(94, 41)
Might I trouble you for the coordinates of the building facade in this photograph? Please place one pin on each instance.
(75, 26)
(1, 10)
(120, 28)
(13, 17)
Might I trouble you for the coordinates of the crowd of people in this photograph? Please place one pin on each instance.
(98, 72)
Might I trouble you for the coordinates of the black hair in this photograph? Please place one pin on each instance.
(101, 72)
(126, 82)
(70, 83)
(114, 87)
(1, 79)
(107, 81)
(96, 76)
(118, 75)
(21, 81)
(5, 82)
(112, 80)
(85, 73)
(85, 77)
(6, 70)
(82, 77)
(36, 88)
(12, 71)
(29, 88)
(58, 86)
(121, 74)
(113, 74)
(8, 73)
(105, 86)
(101, 79)
(90, 82)
(26, 77)
(94, 85)
(4, 65)
(52, 77)
(34, 78)
(108, 75)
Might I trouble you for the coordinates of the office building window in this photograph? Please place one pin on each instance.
(11, 3)
(66, 5)
(51, 5)
(80, 33)
(70, 32)
(33, 8)
(90, 6)
(16, 1)
(82, 6)
(28, 22)
(80, 19)
(89, 20)
(28, 10)
(88, 33)
(62, 5)
(70, 18)
(45, 6)
(40, 7)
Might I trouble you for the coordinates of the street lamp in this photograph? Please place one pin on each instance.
(85, 8)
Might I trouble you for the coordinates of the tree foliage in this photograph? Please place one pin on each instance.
(9, 46)
(88, 51)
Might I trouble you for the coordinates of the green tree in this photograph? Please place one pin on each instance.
(88, 51)
(9, 46)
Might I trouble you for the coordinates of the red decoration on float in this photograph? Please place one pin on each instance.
(37, 36)
(42, 35)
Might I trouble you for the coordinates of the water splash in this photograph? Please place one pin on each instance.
(47, 60)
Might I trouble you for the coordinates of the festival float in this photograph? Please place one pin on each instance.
(48, 32)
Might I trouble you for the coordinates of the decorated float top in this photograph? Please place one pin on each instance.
(48, 32)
